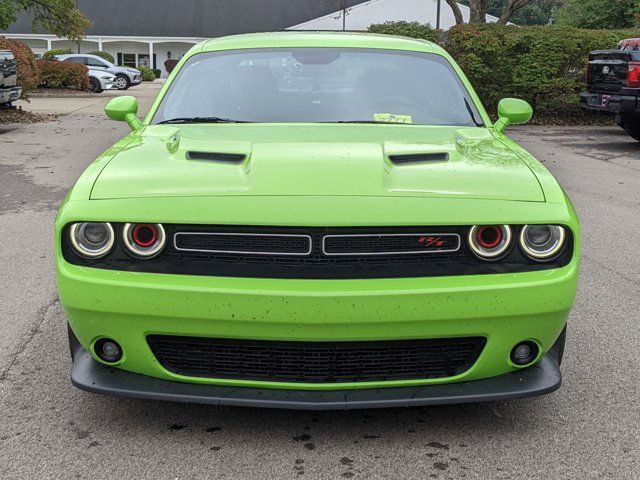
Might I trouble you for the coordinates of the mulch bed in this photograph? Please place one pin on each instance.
(17, 115)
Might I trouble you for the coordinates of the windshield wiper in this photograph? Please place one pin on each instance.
(201, 120)
(472, 113)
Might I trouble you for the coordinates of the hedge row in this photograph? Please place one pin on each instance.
(543, 65)
(54, 74)
(28, 76)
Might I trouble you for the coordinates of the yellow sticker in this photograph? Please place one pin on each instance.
(392, 118)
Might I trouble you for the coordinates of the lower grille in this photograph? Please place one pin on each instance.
(316, 362)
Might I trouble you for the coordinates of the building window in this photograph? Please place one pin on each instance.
(129, 60)
(134, 60)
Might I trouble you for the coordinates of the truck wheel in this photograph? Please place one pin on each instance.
(122, 82)
(94, 85)
(632, 125)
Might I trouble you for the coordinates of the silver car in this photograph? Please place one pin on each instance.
(99, 80)
(125, 77)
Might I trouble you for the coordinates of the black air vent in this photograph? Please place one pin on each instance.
(419, 158)
(217, 157)
(316, 362)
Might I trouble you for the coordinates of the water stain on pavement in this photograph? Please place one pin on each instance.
(18, 192)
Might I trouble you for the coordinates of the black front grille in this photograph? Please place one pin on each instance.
(242, 243)
(218, 253)
(316, 362)
(391, 244)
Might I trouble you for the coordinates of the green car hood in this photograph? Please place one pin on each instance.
(316, 160)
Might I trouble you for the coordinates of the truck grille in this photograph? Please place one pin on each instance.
(315, 362)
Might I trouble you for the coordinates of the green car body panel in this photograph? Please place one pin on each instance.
(317, 175)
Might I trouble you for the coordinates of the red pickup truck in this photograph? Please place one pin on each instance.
(613, 84)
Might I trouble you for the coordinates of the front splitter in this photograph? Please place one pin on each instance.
(540, 379)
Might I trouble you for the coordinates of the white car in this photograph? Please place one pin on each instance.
(100, 80)
(125, 77)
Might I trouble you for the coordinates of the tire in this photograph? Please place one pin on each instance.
(94, 85)
(632, 125)
(122, 82)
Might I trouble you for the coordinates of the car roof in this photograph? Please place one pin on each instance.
(292, 39)
(71, 55)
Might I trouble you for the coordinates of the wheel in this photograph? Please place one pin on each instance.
(122, 82)
(94, 85)
(619, 119)
(632, 125)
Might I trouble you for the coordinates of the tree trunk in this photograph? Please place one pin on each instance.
(457, 13)
(478, 11)
(510, 8)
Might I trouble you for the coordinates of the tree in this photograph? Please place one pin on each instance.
(521, 12)
(601, 14)
(457, 13)
(60, 17)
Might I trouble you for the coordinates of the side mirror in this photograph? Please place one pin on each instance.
(512, 111)
(123, 109)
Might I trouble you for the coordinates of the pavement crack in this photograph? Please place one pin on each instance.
(41, 315)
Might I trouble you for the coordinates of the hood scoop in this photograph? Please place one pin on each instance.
(217, 157)
(403, 159)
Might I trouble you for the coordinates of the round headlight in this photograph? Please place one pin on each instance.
(541, 242)
(144, 239)
(489, 241)
(92, 240)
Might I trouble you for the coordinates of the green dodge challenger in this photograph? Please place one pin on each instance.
(317, 221)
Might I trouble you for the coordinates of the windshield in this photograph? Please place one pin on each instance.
(318, 85)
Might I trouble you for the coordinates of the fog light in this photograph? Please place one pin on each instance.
(524, 353)
(108, 350)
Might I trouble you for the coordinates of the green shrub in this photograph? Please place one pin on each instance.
(51, 54)
(28, 76)
(107, 56)
(147, 74)
(407, 29)
(157, 72)
(54, 74)
(544, 65)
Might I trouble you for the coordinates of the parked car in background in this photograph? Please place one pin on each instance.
(9, 90)
(125, 77)
(613, 84)
(99, 80)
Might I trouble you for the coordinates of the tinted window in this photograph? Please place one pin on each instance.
(80, 60)
(94, 62)
(319, 85)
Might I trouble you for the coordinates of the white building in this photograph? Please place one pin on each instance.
(148, 32)
(361, 16)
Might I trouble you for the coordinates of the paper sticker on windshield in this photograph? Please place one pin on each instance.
(392, 118)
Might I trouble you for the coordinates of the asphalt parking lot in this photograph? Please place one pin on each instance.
(48, 429)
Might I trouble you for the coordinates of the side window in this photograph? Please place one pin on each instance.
(94, 62)
(79, 60)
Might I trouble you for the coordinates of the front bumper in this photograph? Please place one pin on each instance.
(542, 378)
(505, 309)
(8, 95)
(615, 104)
